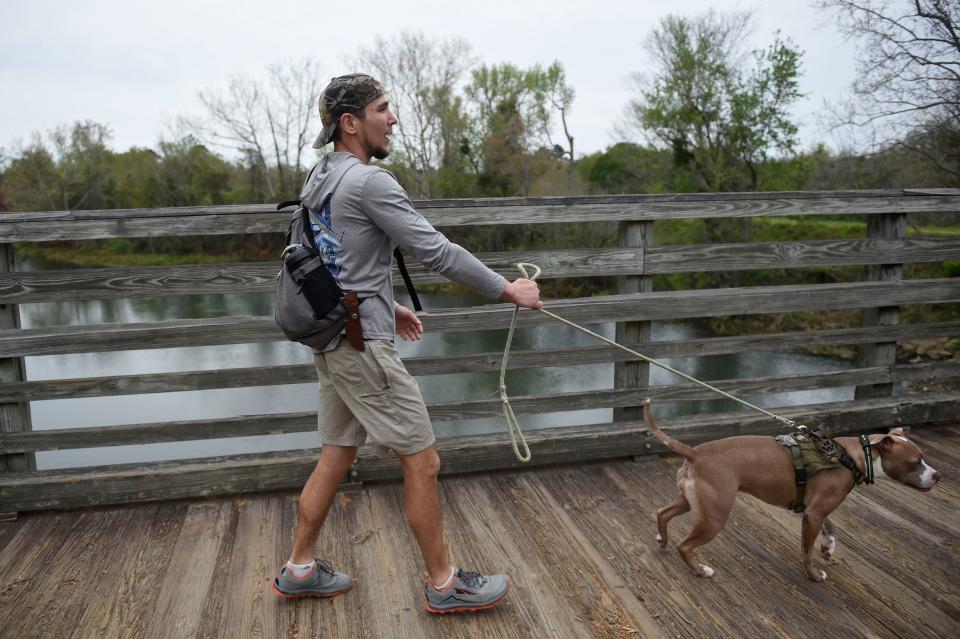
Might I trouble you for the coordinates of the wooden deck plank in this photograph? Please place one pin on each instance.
(182, 596)
(23, 562)
(131, 598)
(389, 569)
(488, 533)
(246, 606)
(57, 599)
(77, 612)
(8, 530)
(338, 544)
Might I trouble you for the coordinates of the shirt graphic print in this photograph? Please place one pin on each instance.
(328, 244)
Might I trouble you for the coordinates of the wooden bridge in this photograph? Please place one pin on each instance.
(575, 535)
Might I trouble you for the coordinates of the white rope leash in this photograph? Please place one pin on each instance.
(513, 426)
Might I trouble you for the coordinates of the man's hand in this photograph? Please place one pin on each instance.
(408, 324)
(522, 292)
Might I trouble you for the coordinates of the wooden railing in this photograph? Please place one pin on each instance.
(637, 259)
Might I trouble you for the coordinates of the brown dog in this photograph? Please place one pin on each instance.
(714, 472)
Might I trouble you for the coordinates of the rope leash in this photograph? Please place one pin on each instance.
(513, 426)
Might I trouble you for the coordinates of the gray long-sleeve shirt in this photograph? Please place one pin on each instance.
(368, 215)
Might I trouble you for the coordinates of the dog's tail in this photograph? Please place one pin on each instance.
(679, 448)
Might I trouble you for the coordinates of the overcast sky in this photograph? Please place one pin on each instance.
(135, 65)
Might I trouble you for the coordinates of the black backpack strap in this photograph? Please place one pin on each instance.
(406, 279)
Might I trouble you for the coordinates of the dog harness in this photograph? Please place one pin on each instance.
(812, 452)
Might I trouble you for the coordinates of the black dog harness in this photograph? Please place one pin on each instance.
(812, 452)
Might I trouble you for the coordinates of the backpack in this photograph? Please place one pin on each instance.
(311, 307)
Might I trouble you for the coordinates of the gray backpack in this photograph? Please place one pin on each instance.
(310, 303)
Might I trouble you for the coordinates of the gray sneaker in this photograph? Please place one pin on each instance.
(322, 581)
(469, 592)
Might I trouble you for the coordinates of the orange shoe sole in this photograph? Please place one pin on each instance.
(437, 611)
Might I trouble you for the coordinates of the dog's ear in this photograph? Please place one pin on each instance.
(896, 431)
(886, 444)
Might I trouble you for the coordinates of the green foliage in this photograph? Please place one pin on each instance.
(630, 168)
(189, 174)
(514, 112)
(66, 169)
(718, 119)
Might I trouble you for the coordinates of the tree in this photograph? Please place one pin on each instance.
(514, 113)
(267, 123)
(718, 117)
(631, 168)
(189, 175)
(67, 168)
(421, 77)
(908, 74)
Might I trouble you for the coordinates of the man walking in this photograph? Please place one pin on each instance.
(359, 213)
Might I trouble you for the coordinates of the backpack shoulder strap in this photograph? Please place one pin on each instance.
(406, 279)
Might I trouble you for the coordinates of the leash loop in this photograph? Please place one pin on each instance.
(513, 426)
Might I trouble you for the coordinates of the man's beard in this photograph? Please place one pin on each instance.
(379, 152)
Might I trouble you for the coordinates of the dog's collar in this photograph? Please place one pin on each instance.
(865, 477)
(867, 459)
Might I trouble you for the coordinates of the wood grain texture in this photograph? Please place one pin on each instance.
(618, 308)
(47, 226)
(257, 277)
(444, 364)
(246, 426)
(181, 596)
(93, 486)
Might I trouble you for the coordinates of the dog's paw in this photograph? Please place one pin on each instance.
(705, 571)
(661, 541)
(817, 575)
(828, 548)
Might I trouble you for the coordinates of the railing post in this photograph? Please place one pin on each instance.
(885, 226)
(633, 374)
(14, 416)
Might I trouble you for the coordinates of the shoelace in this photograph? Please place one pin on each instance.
(325, 567)
(472, 579)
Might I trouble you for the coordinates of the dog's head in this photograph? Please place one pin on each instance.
(902, 460)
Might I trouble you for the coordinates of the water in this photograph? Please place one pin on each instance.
(225, 403)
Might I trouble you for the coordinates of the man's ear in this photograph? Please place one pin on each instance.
(348, 123)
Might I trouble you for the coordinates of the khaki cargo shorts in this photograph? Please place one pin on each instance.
(371, 393)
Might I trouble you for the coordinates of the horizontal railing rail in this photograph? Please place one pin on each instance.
(165, 432)
(665, 305)
(475, 362)
(51, 226)
(124, 483)
(199, 279)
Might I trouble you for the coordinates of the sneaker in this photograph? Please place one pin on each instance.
(322, 581)
(469, 592)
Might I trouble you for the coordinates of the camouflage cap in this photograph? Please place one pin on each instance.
(344, 94)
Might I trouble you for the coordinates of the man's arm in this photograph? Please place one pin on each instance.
(388, 206)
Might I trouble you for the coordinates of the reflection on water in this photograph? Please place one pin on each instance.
(210, 404)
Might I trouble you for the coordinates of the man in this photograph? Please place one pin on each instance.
(359, 214)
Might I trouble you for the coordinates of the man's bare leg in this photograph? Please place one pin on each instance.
(317, 497)
(421, 504)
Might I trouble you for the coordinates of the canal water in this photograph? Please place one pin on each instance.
(211, 404)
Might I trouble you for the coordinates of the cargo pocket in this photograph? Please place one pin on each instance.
(373, 371)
